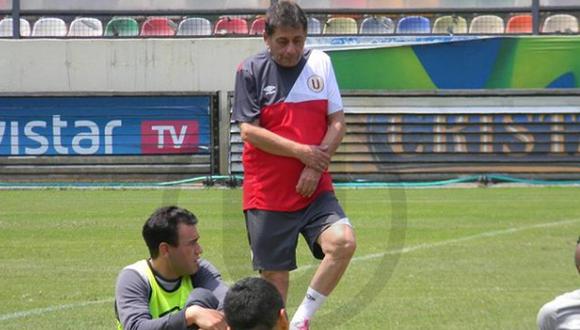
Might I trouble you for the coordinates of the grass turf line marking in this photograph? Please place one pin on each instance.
(449, 242)
(40, 311)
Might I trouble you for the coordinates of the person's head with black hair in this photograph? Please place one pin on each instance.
(285, 14)
(285, 33)
(172, 238)
(255, 304)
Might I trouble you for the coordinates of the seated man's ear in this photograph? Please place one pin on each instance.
(163, 249)
(283, 323)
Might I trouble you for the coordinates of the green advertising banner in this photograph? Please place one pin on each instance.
(484, 63)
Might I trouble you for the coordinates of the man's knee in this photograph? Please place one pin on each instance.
(338, 241)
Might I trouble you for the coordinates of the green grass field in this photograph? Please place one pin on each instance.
(455, 258)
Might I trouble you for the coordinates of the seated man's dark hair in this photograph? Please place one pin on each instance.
(253, 304)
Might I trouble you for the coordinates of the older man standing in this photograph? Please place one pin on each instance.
(291, 118)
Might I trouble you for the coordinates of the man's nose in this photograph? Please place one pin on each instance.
(291, 49)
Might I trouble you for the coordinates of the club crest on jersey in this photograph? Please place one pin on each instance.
(315, 83)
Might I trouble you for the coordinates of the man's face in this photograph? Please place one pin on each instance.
(286, 45)
(184, 257)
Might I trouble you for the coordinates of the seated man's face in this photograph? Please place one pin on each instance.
(185, 256)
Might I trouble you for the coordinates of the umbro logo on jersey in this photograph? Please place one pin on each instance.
(269, 90)
(315, 83)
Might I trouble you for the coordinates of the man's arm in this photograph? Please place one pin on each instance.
(336, 131)
(208, 277)
(316, 157)
(334, 134)
(132, 303)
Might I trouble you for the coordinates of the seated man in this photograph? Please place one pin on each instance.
(255, 304)
(174, 289)
(564, 311)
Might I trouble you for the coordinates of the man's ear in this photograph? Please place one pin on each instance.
(163, 249)
(282, 323)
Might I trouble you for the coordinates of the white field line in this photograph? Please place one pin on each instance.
(449, 242)
(40, 311)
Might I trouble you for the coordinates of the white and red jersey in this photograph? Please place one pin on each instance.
(293, 103)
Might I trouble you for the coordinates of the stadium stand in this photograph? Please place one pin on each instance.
(85, 27)
(560, 23)
(519, 24)
(340, 25)
(122, 27)
(231, 25)
(157, 27)
(450, 25)
(487, 24)
(194, 26)
(377, 25)
(6, 27)
(314, 26)
(49, 27)
(258, 26)
(413, 25)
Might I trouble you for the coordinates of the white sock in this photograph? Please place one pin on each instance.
(311, 303)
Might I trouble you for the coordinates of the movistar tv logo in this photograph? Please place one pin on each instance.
(169, 136)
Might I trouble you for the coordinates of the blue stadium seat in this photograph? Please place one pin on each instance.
(414, 25)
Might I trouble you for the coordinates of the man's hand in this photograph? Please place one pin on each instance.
(205, 318)
(308, 182)
(315, 157)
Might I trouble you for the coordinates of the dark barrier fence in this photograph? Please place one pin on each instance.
(437, 138)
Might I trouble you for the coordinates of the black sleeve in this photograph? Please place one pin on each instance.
(208, 277)
(132, 304)
(246, 107)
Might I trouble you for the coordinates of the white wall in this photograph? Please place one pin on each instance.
(128, 65)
